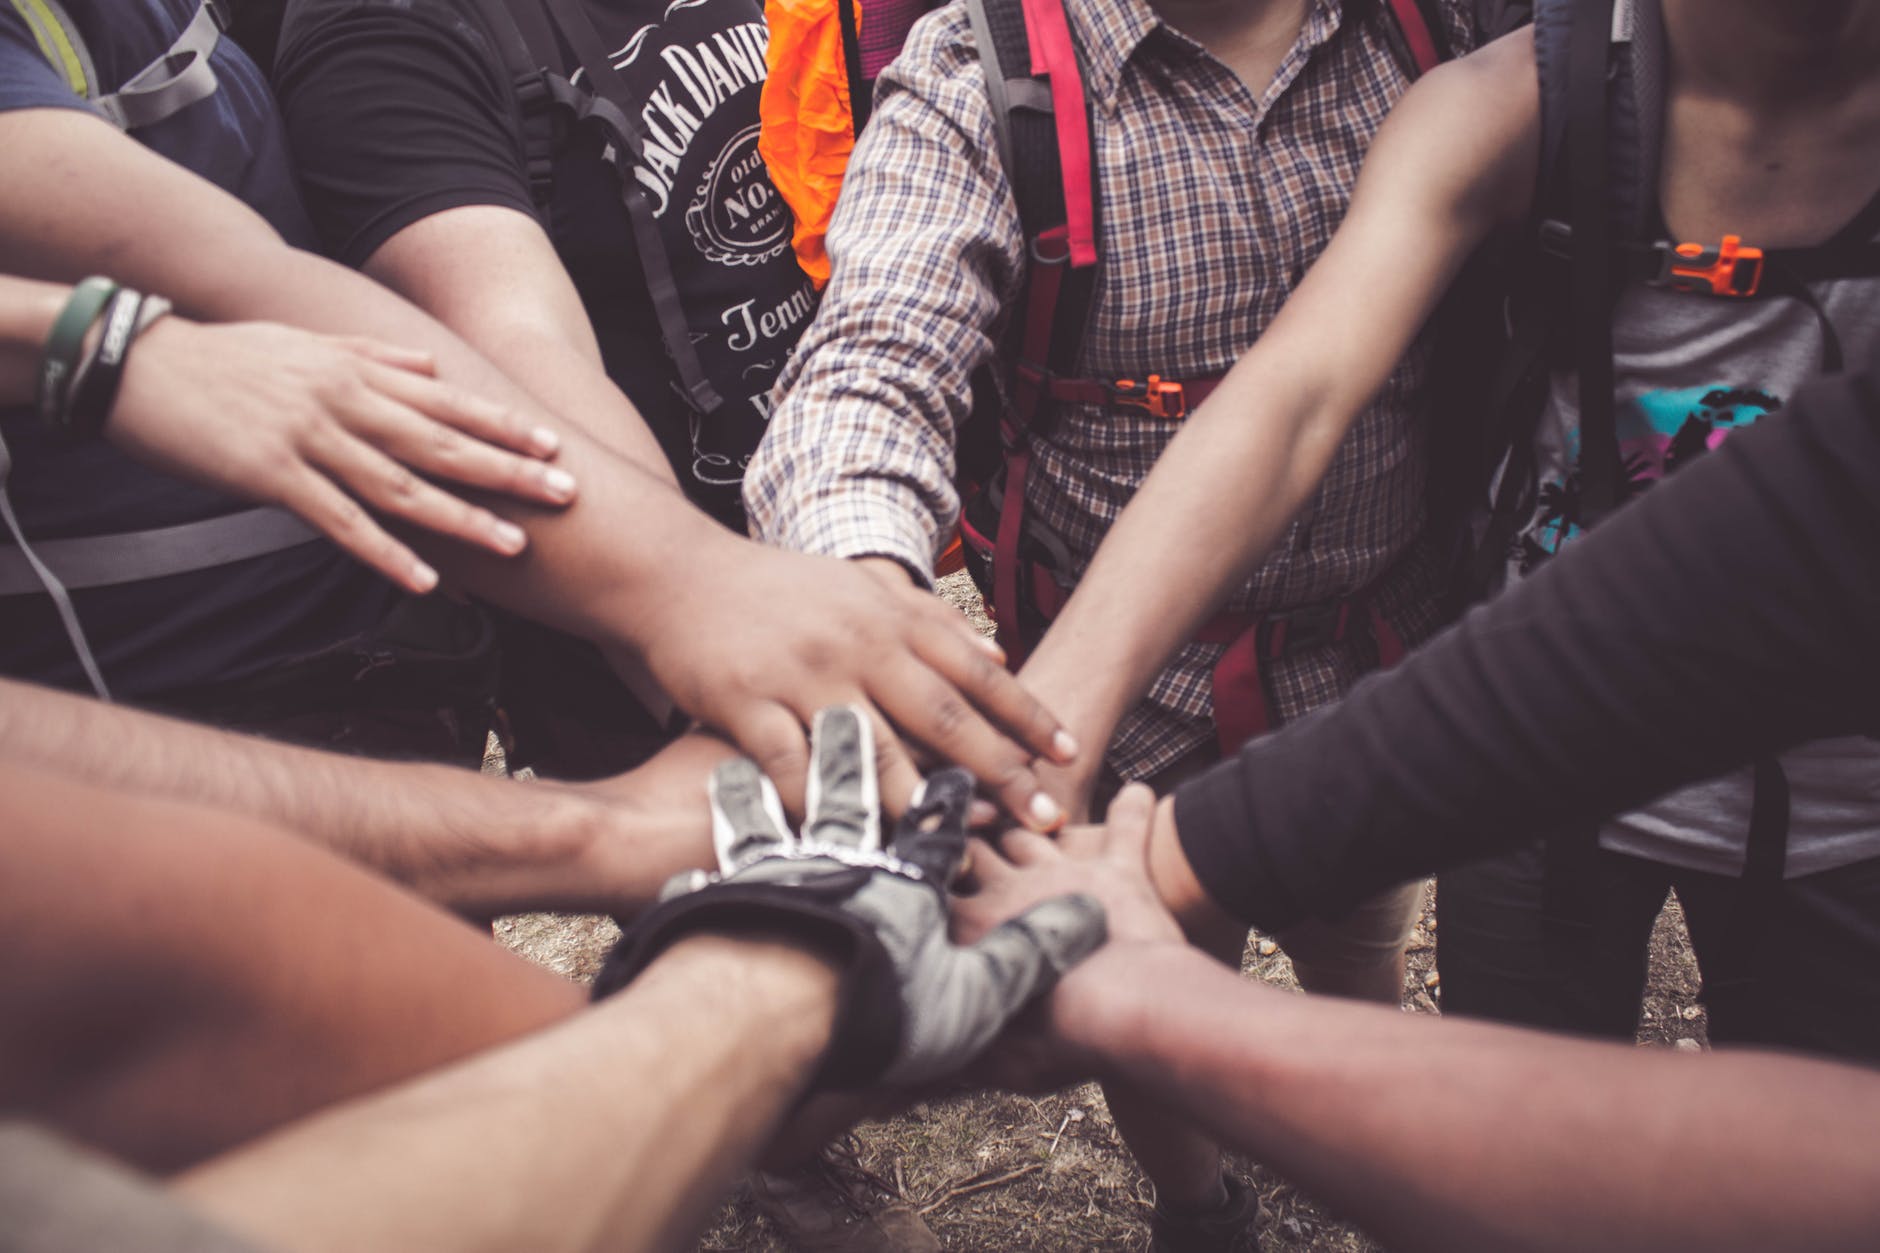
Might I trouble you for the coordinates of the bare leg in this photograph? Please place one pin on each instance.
(174, 980)
(1359, 956)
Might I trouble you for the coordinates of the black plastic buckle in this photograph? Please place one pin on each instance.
(1556, 239)
(1281, 634)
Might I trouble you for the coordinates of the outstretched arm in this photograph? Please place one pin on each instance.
(479, 845)
(1729, 613)
(750, 640)
(285, 416)
(1440, 1135)
(1456, 1135)
(615, 1130)
(1454, 158)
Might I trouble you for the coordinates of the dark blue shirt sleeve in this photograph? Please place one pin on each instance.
(27, 79)
(1732, 611)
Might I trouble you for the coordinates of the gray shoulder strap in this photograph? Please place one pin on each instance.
(165, 87)
(56, 566)
(37, 576)
(175, 80)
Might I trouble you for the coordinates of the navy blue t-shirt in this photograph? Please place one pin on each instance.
(163, 637)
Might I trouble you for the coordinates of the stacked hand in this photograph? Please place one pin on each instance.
(916, 1006)
(329, 428)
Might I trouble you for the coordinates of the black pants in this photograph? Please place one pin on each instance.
(432, 681)
(1510, 950)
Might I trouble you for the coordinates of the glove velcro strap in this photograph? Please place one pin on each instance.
(867, 1027)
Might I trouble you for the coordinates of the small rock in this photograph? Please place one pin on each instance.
(1689, 1013)
(1076, 1115)
(1432, 979)
(1688, 1046)
(1268, 948)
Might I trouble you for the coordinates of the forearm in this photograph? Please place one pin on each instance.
(465, 840)
(615, 1130)
(576, 573)
(27, 312)
(1728, 613)
(1218, 499)
(1452, 1135)
(518, 308)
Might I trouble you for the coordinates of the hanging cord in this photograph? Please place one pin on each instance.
(77, 388)
(61, 599)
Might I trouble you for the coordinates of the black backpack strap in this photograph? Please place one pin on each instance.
(607, 103)
(1590, 282)
(544, 97)
(861, 90)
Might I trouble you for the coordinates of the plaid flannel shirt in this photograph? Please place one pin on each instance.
(1215, 200)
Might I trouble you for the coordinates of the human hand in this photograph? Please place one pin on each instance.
(329, 427)
(917, 1007)
(768, 637)
(1105, 863)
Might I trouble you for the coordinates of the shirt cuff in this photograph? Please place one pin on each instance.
(860, 523)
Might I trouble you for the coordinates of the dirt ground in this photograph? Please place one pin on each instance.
(1012, 1174)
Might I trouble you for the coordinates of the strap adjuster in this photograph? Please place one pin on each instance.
(1730, 269)
(1162, 398)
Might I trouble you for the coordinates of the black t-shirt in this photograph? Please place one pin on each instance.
(400, 110)
(1729, 613)
(166, 635)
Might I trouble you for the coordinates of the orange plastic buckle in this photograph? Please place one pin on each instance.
(1163, 398)
(1730, 269)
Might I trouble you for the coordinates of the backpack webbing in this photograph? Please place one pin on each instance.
(552, 105)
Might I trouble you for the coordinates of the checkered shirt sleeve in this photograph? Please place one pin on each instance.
(926, 253)
(1215, 200)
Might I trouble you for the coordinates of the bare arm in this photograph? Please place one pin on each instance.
(1458, 1135)
(750, 640)
(284, 416)
(1443, 171)
(492, 276)
(615, 1130)
(1442, 1135)
(477, 844)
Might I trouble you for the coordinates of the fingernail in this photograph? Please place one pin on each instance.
(422, 576)
(544, 441)
(992, 647)
(1064, 744)
(509, 536)
(1044, 811)
(981, 814)
(559, 482)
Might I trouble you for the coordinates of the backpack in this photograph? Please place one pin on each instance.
(552, 105)
(179, 78)
(1034, 83)
(1601, 66)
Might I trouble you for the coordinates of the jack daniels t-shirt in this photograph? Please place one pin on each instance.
(399, 109)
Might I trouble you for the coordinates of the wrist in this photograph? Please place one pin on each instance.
(795, 986)
(1107, 1011)
(1207, 925)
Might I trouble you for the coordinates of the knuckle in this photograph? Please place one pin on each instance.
(401, 483)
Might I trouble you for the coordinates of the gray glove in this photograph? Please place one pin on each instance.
(915, 1006)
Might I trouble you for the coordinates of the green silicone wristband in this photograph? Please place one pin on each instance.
(66, 344)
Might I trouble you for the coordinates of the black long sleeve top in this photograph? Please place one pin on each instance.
(1732, 611)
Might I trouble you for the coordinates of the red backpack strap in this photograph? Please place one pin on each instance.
(1423, 38)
